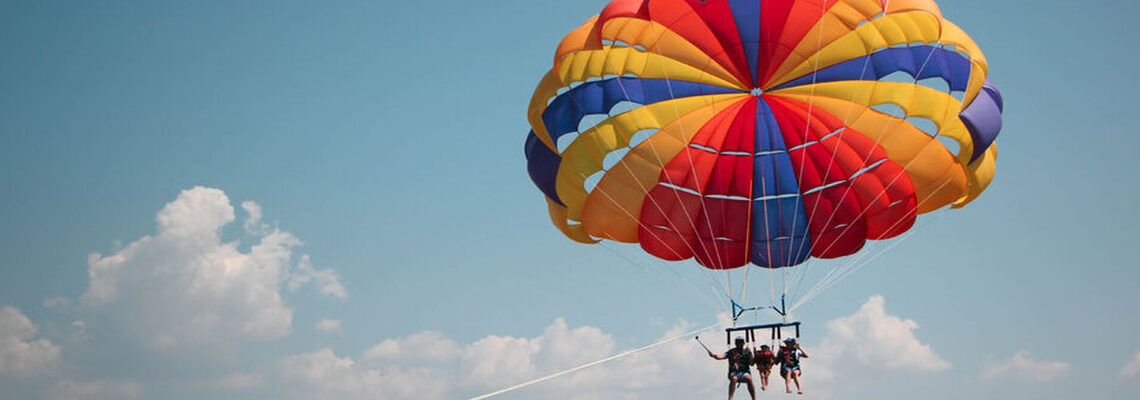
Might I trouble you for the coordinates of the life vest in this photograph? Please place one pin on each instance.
(765, 358)
(739, 360)
(789, 357)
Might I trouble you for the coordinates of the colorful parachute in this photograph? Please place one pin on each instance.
(760, 131)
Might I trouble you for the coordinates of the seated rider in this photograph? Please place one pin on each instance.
(764, 361)
(789, 359)
(739, 367)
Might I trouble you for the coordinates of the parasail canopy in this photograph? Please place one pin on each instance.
(765, 132)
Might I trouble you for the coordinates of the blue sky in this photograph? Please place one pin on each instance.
(384, 141)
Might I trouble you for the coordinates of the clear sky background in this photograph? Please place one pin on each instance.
(379, 147)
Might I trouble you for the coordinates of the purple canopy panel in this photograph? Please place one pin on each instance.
(983, 119)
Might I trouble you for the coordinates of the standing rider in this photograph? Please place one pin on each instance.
(740, 360)
(789, 359)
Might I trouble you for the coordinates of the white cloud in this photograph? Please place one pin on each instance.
(238, 380)
(1023, 367)
(872, 338)
(329, 325)
(322, 374)
(253, 223)
(1131, 372)
(326, 279)
(868, 343)
(19, 355)
(76, 390)
(860, 349)
(429, 365)
(497, 361)
(429, 347)
(184, 288)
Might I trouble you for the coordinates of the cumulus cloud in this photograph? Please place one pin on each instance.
(429, 347)
(1023, 367)
(322, 374)
(497, 361)
(326, 279)
(96, 390)
(184, 288)
(19, 354)
(1131, 372)
(253, 224)
(867, 343)
(328, 325)
(872, 338)
(429, 365)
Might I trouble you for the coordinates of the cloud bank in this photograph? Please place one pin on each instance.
(429, 365)
(185, 291)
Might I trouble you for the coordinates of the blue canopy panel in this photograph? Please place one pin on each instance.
(542, 165)
(983, 119)
(780, 235)
(564, 114)
(920, 62)
(746, 13)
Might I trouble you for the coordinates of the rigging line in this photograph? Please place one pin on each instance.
(696, 177)
(808, 118)
(844, 274)
(887, 187)
(660, 209)
(860, 266)
(678, 119)
(591, 364)
(883, 130)
(807, 121)
(841, 270)
(672, 95)
(703, 295)
(823, 284)
(635, 219)
(711, 296)
(868, 156)
(846, 120)
(799, 181)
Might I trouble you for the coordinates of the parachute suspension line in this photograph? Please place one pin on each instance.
(799, 180)
(866, 158)
(743, 288)
(696, 180)
(767, 226)
(820, 288)
(856, 268)
(708, 276)
(638, 221)
(692, 171)
(846, 120)
(840, 273)
(703, 295)
(591, 364)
